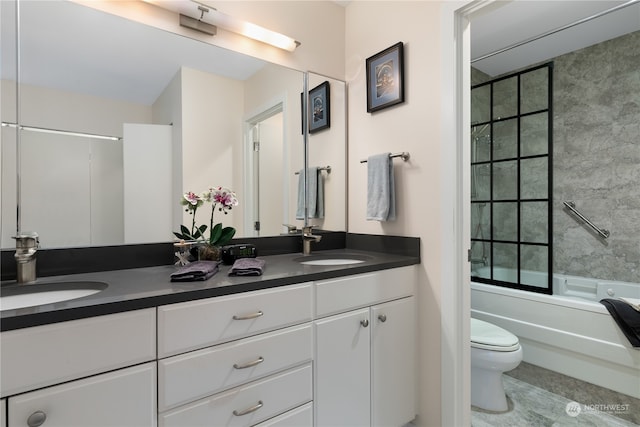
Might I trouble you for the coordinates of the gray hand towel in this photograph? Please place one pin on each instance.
(247, 267)
(196, 271)
(315, 185)
(381, 194)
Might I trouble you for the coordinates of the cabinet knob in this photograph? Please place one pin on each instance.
(382, 318)
(36, 419)
(364, 323)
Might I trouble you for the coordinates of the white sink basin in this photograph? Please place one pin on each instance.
(332, 259)
(21, 296)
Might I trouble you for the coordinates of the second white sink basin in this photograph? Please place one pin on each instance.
(332, 259)
(21, 296)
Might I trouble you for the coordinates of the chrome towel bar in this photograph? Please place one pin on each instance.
(324, 168)
(404, 155)
(601, 231)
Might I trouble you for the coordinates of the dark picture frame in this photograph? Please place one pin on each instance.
(319, 108)
(385, 78)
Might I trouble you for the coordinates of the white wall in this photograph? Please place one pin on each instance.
(211, 111)
(413, 126)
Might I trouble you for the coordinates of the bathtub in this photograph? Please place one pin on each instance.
(571, 332)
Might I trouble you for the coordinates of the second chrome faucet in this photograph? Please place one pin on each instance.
(307, 238)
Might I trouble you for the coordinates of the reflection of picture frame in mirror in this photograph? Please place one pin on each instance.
(385, 78)
(319, 108)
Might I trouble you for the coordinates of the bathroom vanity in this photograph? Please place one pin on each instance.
(301, 345)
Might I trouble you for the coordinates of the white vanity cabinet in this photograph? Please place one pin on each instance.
(365, 354)
(238, 360)
(3, 413)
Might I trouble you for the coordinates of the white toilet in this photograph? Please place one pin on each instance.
(493, 351)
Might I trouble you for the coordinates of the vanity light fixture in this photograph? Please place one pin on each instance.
(201, 17)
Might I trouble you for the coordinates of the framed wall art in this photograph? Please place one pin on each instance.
(385, 78)
(319, 108)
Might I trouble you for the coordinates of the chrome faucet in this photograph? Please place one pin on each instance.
(26, 248)
(308, 238)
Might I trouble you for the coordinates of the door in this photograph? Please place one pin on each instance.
(148, 183)
(393, 361)
(342, 370)
(269, 161)
(267, 186)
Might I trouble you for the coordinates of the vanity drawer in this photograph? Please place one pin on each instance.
(201, 373)
(197, 324)
(126, 397)
(45, 355)
(299, 417)
(362, 290)
(247, 405)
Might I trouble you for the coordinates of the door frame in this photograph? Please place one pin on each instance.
(269, 109)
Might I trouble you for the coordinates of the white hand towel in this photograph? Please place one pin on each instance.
(381, 195)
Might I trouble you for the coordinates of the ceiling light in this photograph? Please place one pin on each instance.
(205, 18)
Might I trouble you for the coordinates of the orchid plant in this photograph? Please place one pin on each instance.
(221, 199)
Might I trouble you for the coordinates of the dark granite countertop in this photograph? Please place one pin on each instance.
(139, 288)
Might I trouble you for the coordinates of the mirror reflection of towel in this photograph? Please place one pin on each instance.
(315, 184)
(381, 193)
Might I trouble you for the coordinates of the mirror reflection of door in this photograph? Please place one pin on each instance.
(267, 151)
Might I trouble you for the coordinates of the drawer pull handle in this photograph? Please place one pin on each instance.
(364, 323)
(248, 410)
(36, 419)
(258, 361)
(248, 316)
(382, 318)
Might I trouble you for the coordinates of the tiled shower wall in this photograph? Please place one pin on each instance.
(596, 138)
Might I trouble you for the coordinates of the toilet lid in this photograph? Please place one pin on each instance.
(491, 337)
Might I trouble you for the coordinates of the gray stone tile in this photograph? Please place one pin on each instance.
(531, 406)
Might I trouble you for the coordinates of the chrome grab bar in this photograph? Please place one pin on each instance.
(601, 231)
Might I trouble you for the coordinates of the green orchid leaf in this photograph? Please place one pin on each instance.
(216, 231)
(226, 235)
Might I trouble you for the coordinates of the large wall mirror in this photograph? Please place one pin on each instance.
(145, 115)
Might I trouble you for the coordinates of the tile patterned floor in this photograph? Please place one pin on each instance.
(531, 406)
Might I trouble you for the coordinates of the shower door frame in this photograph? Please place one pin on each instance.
(491, 201)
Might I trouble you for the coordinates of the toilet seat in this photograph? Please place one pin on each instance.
(487, 336)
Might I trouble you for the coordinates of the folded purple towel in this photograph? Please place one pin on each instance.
(197, 270)
(247, 267)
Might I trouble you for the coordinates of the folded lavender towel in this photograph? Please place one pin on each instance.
(247, 267)
(197, 270)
